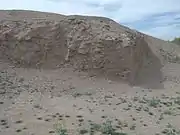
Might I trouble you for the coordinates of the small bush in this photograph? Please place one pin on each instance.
(177, 101)
(154, 102)
(107, 128)
(176, 41)
(60, 129)
(170, 130)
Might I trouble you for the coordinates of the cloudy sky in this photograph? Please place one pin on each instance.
(159, 18)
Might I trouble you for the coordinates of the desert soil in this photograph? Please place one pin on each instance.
(33, 101)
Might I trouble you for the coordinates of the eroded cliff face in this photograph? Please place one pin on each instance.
(89, 44)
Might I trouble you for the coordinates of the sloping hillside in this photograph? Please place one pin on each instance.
(95, 45)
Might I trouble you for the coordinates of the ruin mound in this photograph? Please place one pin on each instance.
(89, 44)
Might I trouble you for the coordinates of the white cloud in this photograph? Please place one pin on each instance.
(120, 10)
(165, 32)
(123, 11)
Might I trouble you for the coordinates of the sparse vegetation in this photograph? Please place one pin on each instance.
(106, 129)
(61, 129)
(177, 100)
(168, 112)
(176, 40)
(133, 127)
(83, 131)
(161, 116)
(154, 102)
(170, 130)
(62, 132)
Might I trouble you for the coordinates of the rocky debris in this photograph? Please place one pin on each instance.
(6, 83)
(92, 44)
(11, 85)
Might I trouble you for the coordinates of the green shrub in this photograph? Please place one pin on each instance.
(176, 40)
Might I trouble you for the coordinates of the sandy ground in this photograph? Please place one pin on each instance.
(33, 101)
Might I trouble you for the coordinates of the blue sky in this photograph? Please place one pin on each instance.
(159, 18)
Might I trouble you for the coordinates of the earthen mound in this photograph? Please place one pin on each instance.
(92, 44)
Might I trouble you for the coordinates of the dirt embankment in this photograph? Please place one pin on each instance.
(92, 44)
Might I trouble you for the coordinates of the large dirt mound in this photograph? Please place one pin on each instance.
(93, 44)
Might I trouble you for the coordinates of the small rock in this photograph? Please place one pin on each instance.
(145, 125)
(133, 127)
(19, 121)
(48, 120)
(81, 120)
(150, 113)
(1, 102)
(18, 130)
(67, 116)
(103, 117)
(79, 116)
(134, 119)
(39, 118)
(51, 132)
